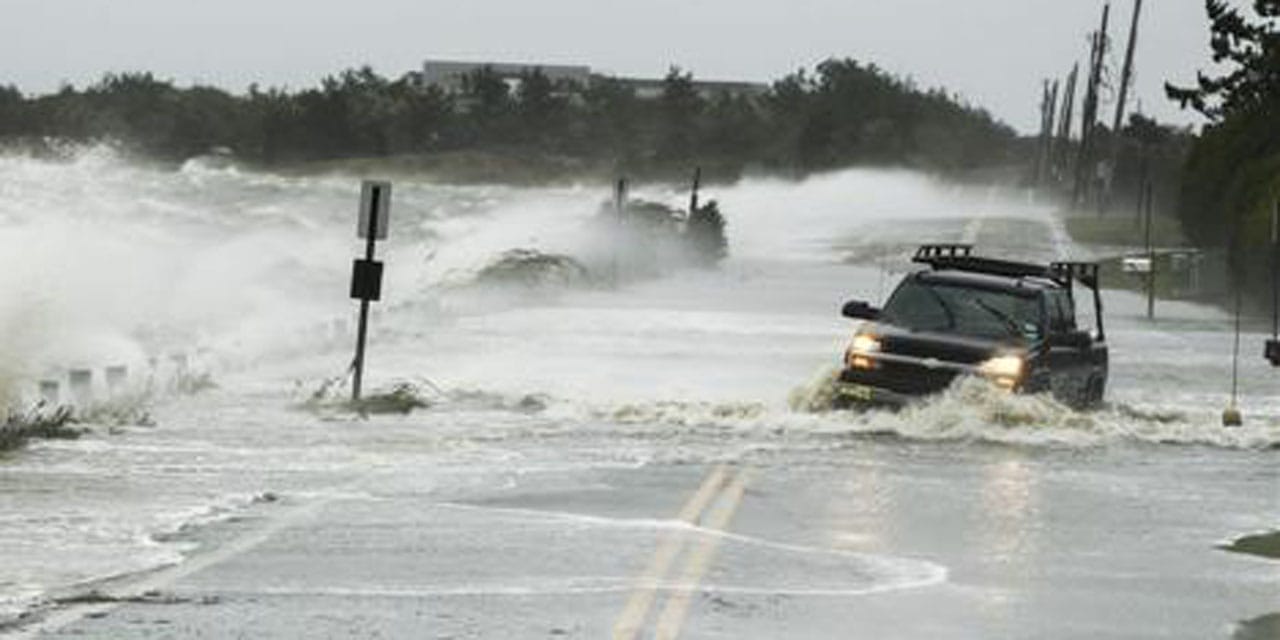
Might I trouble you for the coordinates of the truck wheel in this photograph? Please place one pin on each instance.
(1096, 390)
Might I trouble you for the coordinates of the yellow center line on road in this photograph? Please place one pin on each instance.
(642, 597)
(677, 610)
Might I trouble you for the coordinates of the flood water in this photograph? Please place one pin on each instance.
(984, 515)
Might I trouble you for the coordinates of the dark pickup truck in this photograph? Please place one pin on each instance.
(1013, 323)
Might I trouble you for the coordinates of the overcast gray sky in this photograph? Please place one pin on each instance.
(992, 52)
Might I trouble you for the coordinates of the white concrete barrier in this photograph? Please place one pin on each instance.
(117, 379)
(50, 392)
(80, 384)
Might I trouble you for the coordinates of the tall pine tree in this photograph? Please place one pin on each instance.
(1232, 178)
(1250, 49)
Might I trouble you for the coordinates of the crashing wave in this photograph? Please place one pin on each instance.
(975, 410)
(972, 411)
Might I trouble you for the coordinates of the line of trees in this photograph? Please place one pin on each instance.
(839, 114)
(1231, 182)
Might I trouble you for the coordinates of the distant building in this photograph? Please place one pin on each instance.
(647, 88)
(449, 75)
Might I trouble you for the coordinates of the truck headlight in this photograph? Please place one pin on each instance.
(865, 344)
(859, 354)
(1005, 370)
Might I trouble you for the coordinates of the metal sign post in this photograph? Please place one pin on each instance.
(1151, 257)
(1272, 351)
(693, 196)
(620, 219)
(1232, 416)
(366, 274)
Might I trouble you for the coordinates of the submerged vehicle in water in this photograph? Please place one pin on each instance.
(1012, 323)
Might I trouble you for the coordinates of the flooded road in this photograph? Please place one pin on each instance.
(609, 458)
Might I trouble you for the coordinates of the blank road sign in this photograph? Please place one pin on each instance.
(366, 280)
(375, 202)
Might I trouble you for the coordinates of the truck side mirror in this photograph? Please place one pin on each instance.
(1273, 352)
(860, 310)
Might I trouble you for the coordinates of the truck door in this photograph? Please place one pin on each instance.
(1068, 352)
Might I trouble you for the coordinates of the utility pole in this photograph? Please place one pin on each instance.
(1048, 109)
(1052, 124)
(1037, 170)
(1126, 78)
(1084, 161)
(1063, 159)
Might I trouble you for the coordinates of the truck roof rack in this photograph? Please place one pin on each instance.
(960, 257)
(930, 251)
(1086, 273)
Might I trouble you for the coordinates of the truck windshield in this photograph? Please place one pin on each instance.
(920, 306)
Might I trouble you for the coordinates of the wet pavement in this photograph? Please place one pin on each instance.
(869, 539)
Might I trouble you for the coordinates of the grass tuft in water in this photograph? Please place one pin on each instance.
(402, 399)
(1262, 628)
(148, 597)
(1266, 545)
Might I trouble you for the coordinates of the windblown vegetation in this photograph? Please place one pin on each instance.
(17, 429)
